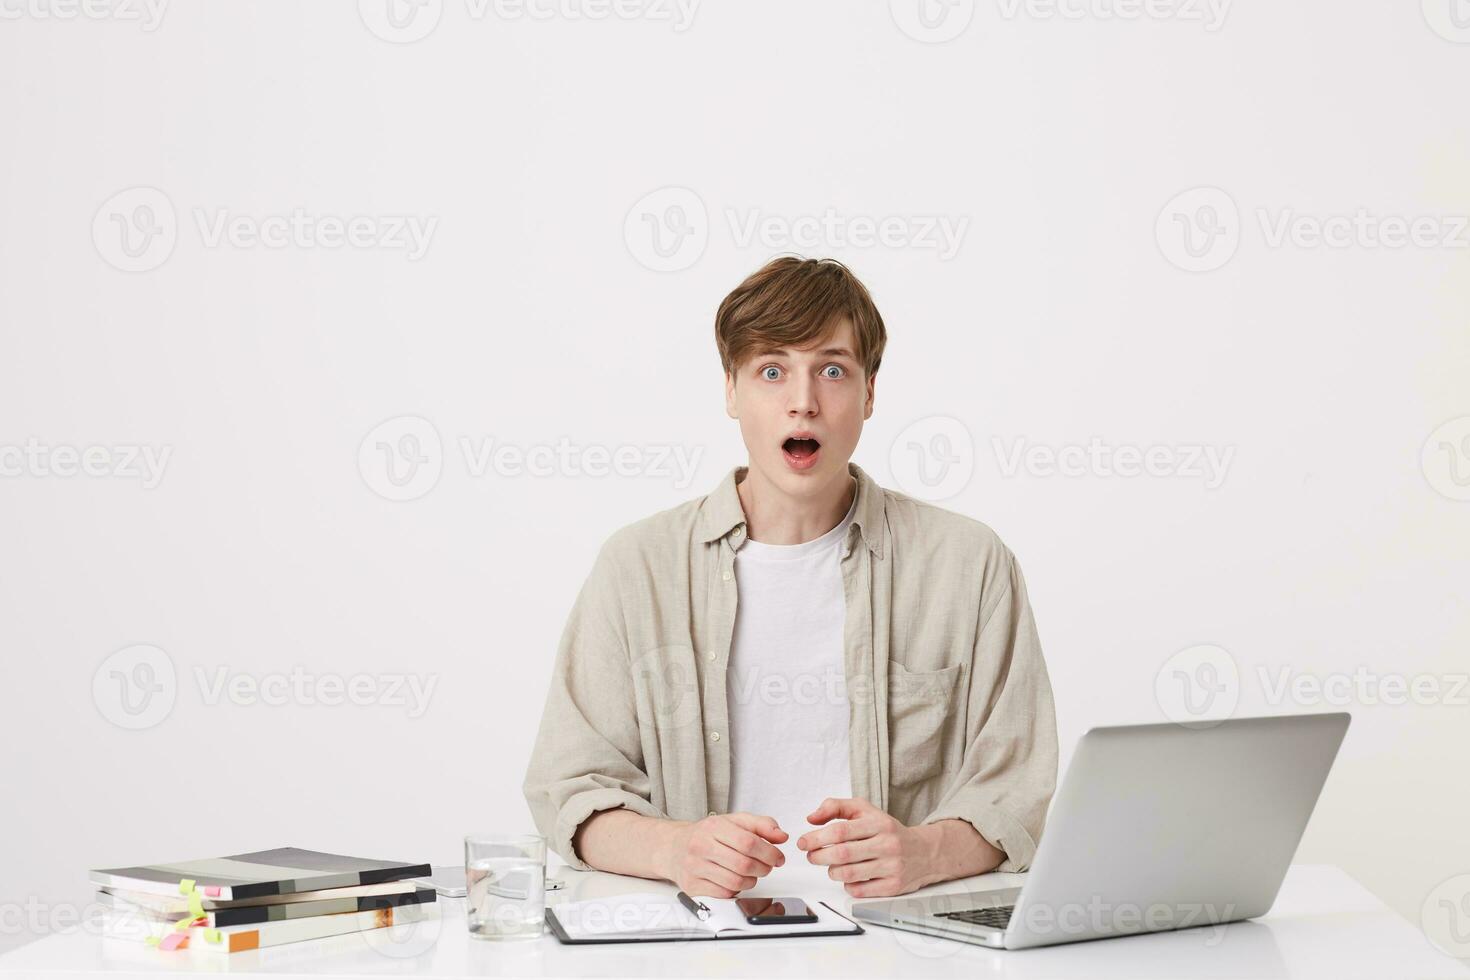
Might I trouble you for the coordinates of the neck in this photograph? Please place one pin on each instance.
(773, 517)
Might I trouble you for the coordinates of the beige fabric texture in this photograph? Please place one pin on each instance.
(951, 713)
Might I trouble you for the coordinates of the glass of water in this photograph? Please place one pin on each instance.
(505, 879)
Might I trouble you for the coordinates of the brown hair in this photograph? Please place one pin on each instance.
(794, 302)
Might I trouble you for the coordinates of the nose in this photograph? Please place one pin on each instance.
(803, 397)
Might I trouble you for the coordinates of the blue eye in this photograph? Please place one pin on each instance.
(833, 367)
(770, 372)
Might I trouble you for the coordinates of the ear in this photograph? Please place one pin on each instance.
(731, 409)
(868, 405)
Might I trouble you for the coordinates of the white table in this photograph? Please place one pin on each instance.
(1324, 924)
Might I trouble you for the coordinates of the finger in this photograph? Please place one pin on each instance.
(767, 827)
(716, 873)
(848, 852)
(860, 871)
(837, 833)
(752, 844)
(833, 807)
(741, 864)
(703, 887)
(874, 888)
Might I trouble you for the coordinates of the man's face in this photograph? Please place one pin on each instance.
(801, 411)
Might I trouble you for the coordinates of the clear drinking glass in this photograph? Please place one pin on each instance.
(505, 883)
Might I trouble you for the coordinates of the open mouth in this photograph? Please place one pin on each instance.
(801, 453)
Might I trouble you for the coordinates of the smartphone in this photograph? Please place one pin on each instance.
(774, 911)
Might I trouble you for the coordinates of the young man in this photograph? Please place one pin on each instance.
(800, 656)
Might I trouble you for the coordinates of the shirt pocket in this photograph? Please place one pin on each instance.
(920, 706)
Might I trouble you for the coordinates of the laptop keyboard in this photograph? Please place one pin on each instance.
(997, 917)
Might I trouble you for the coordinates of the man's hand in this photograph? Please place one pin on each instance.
(723, 855)
(871, 853)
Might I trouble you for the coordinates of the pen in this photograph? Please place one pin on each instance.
(700, 910)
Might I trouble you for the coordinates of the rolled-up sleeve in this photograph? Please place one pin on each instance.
(588, 757)
(1009, 769)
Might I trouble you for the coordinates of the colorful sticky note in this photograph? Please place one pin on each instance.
(183, 924)
(186, 885)
(151, 941)
(196, 905)
(212, 936)
(212, 891)
(174, 940)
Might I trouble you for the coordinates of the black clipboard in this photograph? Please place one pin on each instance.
(554, 924)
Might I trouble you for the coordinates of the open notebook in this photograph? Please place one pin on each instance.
(643, 917)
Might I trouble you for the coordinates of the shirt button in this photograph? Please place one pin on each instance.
(710, 814)
(726, 576)
(712, 655)
(714, 736)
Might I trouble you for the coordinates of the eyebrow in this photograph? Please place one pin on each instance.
(829, 352)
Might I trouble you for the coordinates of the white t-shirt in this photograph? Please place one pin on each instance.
(786, 683)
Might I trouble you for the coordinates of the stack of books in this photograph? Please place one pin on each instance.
(249, 901)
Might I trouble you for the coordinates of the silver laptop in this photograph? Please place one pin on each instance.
(1155, 827)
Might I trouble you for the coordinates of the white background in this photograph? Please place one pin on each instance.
(1335, 541)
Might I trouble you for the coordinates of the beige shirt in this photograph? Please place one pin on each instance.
(950, 708)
